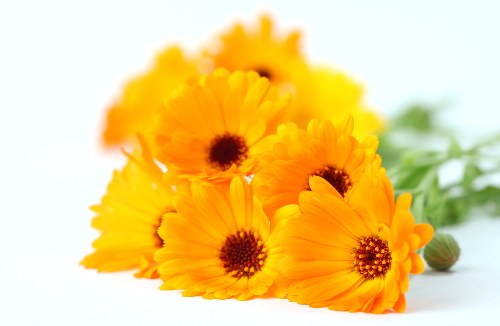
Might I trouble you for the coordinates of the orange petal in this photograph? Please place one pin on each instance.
(417, 265)
(425, 231)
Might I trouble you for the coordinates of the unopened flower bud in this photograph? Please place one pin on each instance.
(442, 252)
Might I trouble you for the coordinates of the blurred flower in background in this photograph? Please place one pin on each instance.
(317, 91)
(134, 110)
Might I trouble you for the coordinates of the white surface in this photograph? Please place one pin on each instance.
(49, 288)
(61, 63)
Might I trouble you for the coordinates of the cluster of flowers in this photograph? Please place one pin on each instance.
(254, 174)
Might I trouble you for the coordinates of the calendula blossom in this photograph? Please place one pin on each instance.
(219, 244)
(344, 258)
(325, 93)
(326, 150)
(317, 224)
(141, 97)
(128, 217)
(319, 92)
(214, 128)
(262, 48)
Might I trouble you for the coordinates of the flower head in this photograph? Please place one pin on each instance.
(141, 97)
(325, 150)
(129, 216)
(328, 94)
(214, 128)
(348, 259)
(219, 244)
(318, 92)
(260, 48)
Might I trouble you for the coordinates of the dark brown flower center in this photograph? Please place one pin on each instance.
(338, 178)
(264, 72)
(372, 257)
(226, 150)
(243, 254)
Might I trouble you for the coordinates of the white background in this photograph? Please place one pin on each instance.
(62, 63)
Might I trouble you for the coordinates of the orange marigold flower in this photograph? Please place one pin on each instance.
(129, 216)
(277, 56)
(328, 94)
(318, 92)
(141, 97)
(343, 258)
(325, 150)
(219, 244)
(215, 128)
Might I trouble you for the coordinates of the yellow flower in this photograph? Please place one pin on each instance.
(348, 259)
(219, 244)
(327, 94)
(324, 150)
(318, 92)
(214, 128)
(129, 216)
(134, 110)
(261, 48)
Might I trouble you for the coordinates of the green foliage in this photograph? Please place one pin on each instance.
(471, 172)
(416, 171)
(416, 117)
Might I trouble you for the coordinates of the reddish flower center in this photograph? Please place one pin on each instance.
(226, 150)
(264, 72)
(372, 257)
(338, 178)
(243, 254)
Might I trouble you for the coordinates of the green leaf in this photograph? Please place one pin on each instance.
(455, 211)
(416, 117)
(488, 197)
(410, 159)
(411, 178)
(417, 208)
(435, 201)
(454, 149)
(471, 172)
(390, 153)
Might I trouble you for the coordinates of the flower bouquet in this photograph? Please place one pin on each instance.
(253, 172)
